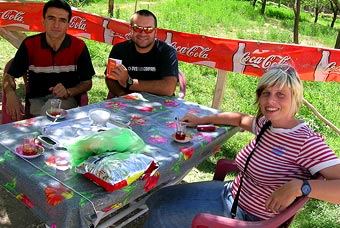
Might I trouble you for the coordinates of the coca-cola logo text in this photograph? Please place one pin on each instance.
(194, 51)
(77, 22)
(12, 15)
(263, 62)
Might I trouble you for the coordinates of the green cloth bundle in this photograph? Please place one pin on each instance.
(115, 139)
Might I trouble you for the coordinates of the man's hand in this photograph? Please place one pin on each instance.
(59, 90)
(121, 74)
(14, 108)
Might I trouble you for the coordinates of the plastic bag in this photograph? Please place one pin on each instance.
(116, 139)
(114, 170)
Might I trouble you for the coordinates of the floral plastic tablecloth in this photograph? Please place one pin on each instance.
(68, 199)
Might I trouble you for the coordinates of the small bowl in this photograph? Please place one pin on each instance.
(99, 116)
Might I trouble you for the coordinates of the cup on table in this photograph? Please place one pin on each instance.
(62, 158)
(181, 130)
(55, 107)
(29, 146)
(99, 117)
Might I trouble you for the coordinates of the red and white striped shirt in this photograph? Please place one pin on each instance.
(281, 155)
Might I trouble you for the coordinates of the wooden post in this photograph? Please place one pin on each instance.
(136, 3)
(321, 117)
(219, 89)
(14, 37)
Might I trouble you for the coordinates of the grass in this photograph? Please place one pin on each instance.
(222, 19)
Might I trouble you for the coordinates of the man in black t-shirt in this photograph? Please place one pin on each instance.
(148, 64)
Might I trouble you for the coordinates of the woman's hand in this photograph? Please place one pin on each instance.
(284, 196)
(191, 119)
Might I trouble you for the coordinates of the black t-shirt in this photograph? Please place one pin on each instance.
(160, 62)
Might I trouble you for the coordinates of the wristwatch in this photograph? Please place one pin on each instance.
(305, 189)
(129, 82)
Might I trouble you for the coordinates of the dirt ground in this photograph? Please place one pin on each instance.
(14, 214)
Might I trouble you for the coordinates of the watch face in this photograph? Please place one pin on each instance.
(305, 188)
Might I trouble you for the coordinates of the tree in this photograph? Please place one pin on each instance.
(337, 43)
(316, 10)
(111, 7)
(263, 8)
(335, 14)
(297, 7)
(254, 3)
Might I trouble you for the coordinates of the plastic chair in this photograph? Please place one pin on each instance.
(5, 118)
(182, 86)
(284, 219)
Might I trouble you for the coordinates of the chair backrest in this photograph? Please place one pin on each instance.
(284, 219)
(5, 118)
(182, 86)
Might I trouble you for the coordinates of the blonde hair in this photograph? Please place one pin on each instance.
(281, 75)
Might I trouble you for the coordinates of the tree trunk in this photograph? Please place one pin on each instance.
(336, 2)
(337, 43)
(263, 9)
(111, 7)
(254, 3)
(297, 7)
(335, 14)
(316, 11)
(334, 18)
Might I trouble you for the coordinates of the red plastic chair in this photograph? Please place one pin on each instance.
(284, 219)
(182, 86)
(5, 118)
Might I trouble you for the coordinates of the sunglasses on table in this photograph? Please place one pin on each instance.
(140, 29)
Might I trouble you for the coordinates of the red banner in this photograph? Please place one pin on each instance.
(241, 56)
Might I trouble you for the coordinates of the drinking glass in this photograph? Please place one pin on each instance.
(29, 146)
(181, 130)
(55, 107)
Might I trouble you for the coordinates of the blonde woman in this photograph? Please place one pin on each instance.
(275, 169)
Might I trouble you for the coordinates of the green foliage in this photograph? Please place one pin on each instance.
(317, 214)
(78, 3)
(279, 13)
(284, 13)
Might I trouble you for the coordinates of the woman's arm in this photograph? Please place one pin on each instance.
(327, 189)
(322, 189)
(226, 118)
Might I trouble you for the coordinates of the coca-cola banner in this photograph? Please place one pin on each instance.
(241, 56)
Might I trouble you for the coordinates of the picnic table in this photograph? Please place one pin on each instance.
(68, 199)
